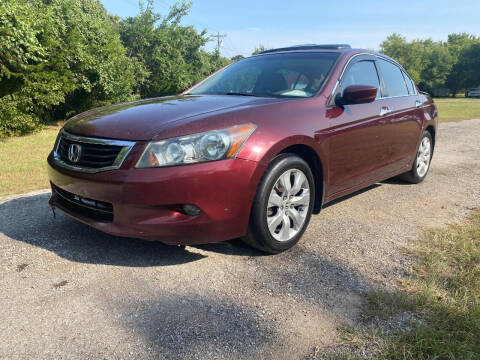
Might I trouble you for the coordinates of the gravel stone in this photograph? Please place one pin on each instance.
(71, 292)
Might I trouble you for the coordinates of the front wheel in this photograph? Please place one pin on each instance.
(282, 206)
(422, 161)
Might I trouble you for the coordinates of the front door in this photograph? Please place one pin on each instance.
(358, 146)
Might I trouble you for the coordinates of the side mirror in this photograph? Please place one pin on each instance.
(356, 94)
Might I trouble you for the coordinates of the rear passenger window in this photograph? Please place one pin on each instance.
(361, 73)
(394, 83)
(410, 86)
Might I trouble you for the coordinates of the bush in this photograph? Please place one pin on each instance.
(61, 57)
(171, 54)
(58, 58)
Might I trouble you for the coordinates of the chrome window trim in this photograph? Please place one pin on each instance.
(334, 90)
(126, 148)
(402, 71)
(401, 68)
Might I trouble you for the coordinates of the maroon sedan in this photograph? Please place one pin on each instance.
(251, 152)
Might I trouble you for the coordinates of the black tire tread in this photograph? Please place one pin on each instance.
(253, 239)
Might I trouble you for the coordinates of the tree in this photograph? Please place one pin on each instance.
(461, 77)
(468, 66)
(237, 58)
(20, 54)
(438, 65)
(412, 56)
(171, 54)
(259, 49)
(58, 57)
(434, 65)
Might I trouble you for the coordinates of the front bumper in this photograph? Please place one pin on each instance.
(146, 202)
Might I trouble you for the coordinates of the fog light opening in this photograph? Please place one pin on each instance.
(190, 209)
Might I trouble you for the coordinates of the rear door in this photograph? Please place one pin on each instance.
(405, 118)
(358, 145)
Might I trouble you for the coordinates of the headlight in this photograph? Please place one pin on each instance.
(207, 146)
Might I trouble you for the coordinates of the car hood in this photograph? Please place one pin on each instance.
(145, 119)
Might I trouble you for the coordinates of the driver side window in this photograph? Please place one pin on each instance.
(361, 73)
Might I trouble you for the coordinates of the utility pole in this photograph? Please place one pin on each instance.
(219, 41)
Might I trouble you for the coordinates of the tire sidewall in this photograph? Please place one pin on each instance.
(258, 224)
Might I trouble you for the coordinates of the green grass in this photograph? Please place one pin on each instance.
(443, 292)
(457, 109)
(23, 161)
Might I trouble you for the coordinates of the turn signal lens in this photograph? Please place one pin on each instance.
(239, 135)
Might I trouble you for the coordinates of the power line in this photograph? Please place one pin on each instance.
(231, 46)
(220, 38)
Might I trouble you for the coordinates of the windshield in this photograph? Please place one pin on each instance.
(276, 75)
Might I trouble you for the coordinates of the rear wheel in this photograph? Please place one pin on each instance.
(422, 161)
(282, 206)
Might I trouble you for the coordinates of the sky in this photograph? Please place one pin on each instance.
(278, 23)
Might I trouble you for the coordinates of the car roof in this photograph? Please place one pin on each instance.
(309, 47)
(337, 48)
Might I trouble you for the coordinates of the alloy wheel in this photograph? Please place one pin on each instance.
(424, 156)
(288, 204)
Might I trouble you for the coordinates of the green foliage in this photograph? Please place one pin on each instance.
(169, 53)
(60, 57)
(434, 65)
(466, 72)
(57, 58)
(237, 58)
(259, 49)
(20, 53)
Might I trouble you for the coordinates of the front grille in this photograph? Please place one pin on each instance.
(91, 155)
(85, 207)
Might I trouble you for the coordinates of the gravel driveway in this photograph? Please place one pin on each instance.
(70, 292)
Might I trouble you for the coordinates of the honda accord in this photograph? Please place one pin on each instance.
(252, 151)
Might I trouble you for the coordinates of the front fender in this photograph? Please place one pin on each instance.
(264, 150)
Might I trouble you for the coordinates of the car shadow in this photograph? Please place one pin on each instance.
(395, 181)
(349, 196)
(30, 219)
(231, 247)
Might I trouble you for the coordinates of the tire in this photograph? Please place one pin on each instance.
(423, 158)
(288, 211)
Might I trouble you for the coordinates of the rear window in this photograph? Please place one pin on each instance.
(393, 80)
(410, 85)
(299, 74)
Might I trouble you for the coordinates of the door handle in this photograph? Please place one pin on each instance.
(418, 103)
(385, 110)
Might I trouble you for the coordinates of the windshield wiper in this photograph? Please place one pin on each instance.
(239, 94)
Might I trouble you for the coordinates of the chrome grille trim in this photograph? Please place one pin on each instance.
(126, 147)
